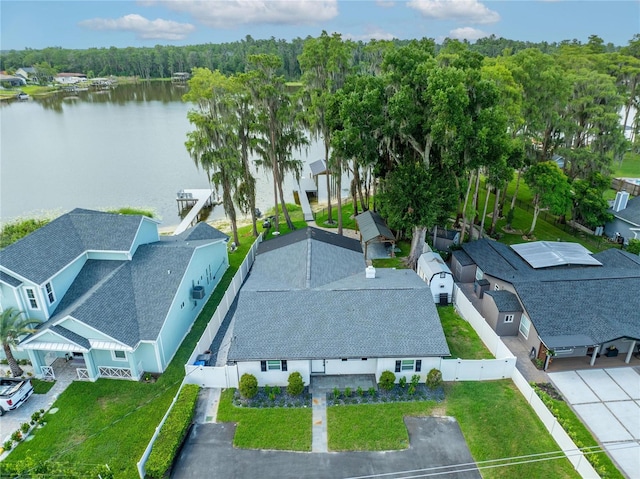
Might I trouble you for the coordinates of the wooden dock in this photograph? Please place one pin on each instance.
(196, 200)
(307, 185)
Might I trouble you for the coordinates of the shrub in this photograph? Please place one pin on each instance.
(347, 392)
(434, 378)
(276, 390)
(16, 436)
(24, 427)
(360, 391)
(248, 385)
(402, 382)
(372, 391)
(296, 384)
(8, 444)
(412, 389)
(172, 433)
(336, 393)
(415, 380)
(387, 380)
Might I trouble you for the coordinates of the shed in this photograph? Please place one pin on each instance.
(444, 238)
(435, 272)
(373, 229)
(463, 266)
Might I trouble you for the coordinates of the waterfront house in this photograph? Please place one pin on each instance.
(310, 305)
(112, 294)
(554, 296)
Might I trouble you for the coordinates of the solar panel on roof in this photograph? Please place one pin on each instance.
(542, 254)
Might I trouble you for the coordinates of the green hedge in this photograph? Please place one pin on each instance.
(35, 468)
(172, 433)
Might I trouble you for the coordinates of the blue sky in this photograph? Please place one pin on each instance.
(122, 23)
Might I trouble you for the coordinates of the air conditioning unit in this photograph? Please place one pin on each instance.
(198, 292)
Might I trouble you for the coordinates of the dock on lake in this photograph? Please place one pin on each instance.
(196, 200)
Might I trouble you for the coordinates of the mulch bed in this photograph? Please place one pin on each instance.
(550, 390)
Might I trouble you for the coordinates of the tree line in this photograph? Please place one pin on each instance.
(420, 126)
(161, 61)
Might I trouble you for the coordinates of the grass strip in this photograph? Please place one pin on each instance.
(286, 429)
(462, 339)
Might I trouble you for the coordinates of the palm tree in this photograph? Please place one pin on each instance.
(12, 327)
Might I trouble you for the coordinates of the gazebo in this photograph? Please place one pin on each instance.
(373, 229)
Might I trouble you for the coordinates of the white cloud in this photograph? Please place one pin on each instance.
(157, 29)
(230, 13)
(462, 10)
(385, 4)
(370, 33)
(467, 33)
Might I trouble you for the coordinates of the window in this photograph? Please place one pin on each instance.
(524, 326)
(443, 274)
(479, 274)
(408, 365)
(50, 296)
(508, 318)
(31, 295)
(119, 355)
(273, 365)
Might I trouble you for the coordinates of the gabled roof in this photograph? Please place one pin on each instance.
(305, 258)
(372, 226)
(542, 254)
(631, 213)
(47, 250)
(128, 300)
(601, 309)
(505, 301)
(309, 298)
(318, 168)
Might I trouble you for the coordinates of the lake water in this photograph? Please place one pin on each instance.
(107, 149)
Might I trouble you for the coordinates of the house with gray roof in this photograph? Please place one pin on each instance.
(310, 305)
(110, 292)
(555, 296)
(626, 218)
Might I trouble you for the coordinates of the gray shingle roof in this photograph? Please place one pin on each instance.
(599, 308)
(334, 311)
(463, 258)
(71, 336)
(47, 250)
(599, 302)
(372, 226)
(10, 280)
(326, 324)
(505, 301)
(631, 213)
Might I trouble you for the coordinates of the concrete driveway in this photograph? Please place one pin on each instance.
(608, 403)
(434, 442)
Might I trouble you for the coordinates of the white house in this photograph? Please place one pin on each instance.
(435, 272)
(308, 306)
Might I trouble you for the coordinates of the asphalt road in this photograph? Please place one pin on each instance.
(434, 442)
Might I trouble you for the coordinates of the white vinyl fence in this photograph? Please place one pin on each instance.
(204, 343)
(499, 350)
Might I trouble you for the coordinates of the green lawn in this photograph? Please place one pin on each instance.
(41, 387)
(267, 428)
(398, 261)
(110, 421)
(630, 167)
(348, 218)
(498, 423)
(462, 339)
(296, 215)
(372, 427)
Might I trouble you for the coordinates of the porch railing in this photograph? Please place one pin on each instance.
(47, 372)
(83, 373)
(117, 373)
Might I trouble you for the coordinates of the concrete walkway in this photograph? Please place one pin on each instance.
(319, 440)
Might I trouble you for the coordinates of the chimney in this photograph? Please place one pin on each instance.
(620, 203)
(370, 272)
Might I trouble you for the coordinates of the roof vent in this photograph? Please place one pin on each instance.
(198, 292)
(370, 272)
(620, 203)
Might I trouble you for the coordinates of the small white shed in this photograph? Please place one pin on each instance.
(435, 272)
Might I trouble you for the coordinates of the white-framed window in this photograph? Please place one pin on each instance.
(408, 365)
(508, 318)
(118, 355)
(273, 365)
(31, 296)
(479, 274)
(50, 295)
(524, 326)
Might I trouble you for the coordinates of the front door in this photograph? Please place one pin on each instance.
(317, 366)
